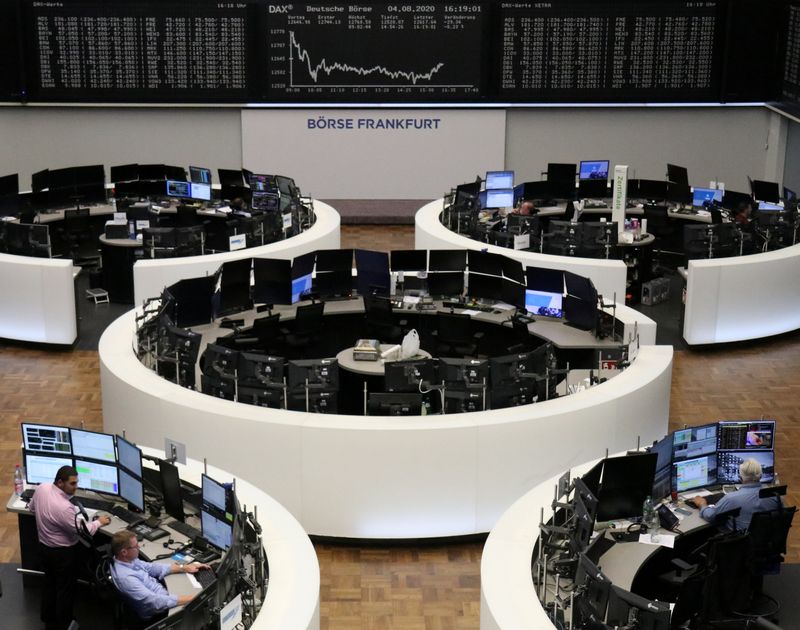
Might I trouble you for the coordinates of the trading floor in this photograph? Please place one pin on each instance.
(434, 586)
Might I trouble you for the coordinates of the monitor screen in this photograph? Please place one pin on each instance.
(200, 191)
(694, 441)
(97, 477)
(765, 205)
(372, 271)
(200, 175)
(255, 370)
(323, 373)
(499, 179)
(499, 198)
(301, 287)
(789, 194)
(218, 532)
(130, 456)
(273, 281)
(735, 435)
(482, 286)
(45, 438)
(485, 262)
(648, 189)
(408, 375)
(627, 482)
(131, 490)
(593, 169)
(214, 493)
(766, 191)
(409, 260)
(448, 284)
(728, 463)
(394, 404)
(663, 450)
(171, 488)
(702, 197)
(334, 260)
(548, 280)
(694, 473)
(43, 468)
(594, 588)
(580, 286)
(582, 314)
(178, 189)
(544, 303)
(93, 445)
(678, 174)
(447, 260)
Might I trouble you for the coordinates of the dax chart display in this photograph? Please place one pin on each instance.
(384, 51)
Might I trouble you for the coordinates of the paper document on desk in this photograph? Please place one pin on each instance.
(411, 299)
(662, 539)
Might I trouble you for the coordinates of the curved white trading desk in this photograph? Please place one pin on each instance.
(292, 599)
(151, 276)
(38, 302)
(745, 297)
(384, 477)
(608, 276)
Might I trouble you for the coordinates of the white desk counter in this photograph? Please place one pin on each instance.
(150, 277)
(383, 477)
(609, 276)
(744, 297)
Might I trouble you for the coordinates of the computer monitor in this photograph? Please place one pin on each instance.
(678, 174)
(152, 172)
(766, 191)
(220, 361)
(463, 372)
(547, 280)
(512, 269)
(446, 284)
(255, 370)
(485, 262)
(633, 611)
(409, 259)
(580, 286)
(330, 284)
(765, 206)
(583, 524)
(593, 189)
(751, 435)
(593, 169)
(394, 404)
(45, 438)
(447, 260)
(302, 271)
(41, 468)
(93, 445)
(201, 192)
(9, 185)
(200, 175)
(372, 271)
(97, 477)
(544, 304)
(648, 189)
(214, 494)
(406, 376)
(499, 198)
(789, 194)
(694, 441)
(728, 463)
(627, 482)
(178, 189)
(171, 489)
(592, 477)
(334, 260)
(499, 179)
(131, 490)
(130, 456)
(731, 199)
(704, 197)
(513, 394)
(582, 314)
(320, 373)
(272, 281)
(594, 588)
(510, 368)
(482, 286)
(690, 474)
(513, 293)
(217, 531)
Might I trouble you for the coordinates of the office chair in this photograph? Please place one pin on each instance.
(454, 336)
(267, 329)
(187, 216)
(380, 320)
(663, 229)
(768, 533)
(307, 327)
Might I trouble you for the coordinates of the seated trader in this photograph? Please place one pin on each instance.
(525, 208)
(138, 581)
(59, 530)
(745, 498)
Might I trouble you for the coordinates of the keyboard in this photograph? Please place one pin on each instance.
(206, 577)
(95, 504)
(126, 515)
(183, 528)
(472, 307)
(714, 498)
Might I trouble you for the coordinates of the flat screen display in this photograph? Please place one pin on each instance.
(91, 445)
(544, 304)
(97, 477)
(694, 473)
(702, 197)
(131, 490)
(300, 287)
(500, 198)
(200, 175)
(694, 441)
(178, 189)
(213, 493)
(44, 438)
(499, 179)
(200, 191)
(130, 456)
(740, 435)
(43, 468)
(593, 169)
(728, 463)
(218, 532)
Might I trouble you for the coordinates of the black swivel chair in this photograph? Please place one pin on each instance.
(187, 216)
(454, 336)
(307, 327)
(768, 534)
(380, 320)
(268, 331)
(663, 229)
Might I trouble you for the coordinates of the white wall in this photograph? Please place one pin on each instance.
(727, 143)
(35, 138)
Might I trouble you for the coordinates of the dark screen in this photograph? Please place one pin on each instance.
(171, 486)
(627, 482)
(447, 260)
(373, 273)
(482, 286)
(409, 260)
(448, 284)
(334, 260)
(485, 262)
(548, 280)
(273, 281)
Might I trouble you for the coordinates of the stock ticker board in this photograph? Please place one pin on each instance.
(256, 51)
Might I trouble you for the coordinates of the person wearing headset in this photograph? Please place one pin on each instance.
(59, 528)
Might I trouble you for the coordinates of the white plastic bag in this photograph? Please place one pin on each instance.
(410, 345)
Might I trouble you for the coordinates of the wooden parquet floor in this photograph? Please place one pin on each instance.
(414, 587)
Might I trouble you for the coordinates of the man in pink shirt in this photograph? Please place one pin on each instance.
(57, 524)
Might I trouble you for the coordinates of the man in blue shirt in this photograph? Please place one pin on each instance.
(746, 498)
(138, 581)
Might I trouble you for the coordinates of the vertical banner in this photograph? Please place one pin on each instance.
(620, 196)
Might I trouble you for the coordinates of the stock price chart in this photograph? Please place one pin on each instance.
(398, 52)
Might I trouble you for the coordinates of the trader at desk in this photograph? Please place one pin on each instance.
(745, 498)
(59, 528)
(138, 581)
